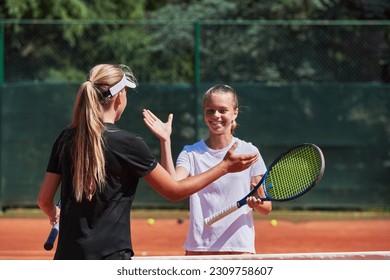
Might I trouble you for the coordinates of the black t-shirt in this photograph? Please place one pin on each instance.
(100, 227)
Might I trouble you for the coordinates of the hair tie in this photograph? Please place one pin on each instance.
(100, 94)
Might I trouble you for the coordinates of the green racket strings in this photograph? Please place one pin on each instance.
(294, 173)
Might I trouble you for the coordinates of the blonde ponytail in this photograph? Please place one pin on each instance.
(88, 150)
(89, 173)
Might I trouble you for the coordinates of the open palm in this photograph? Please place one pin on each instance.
(160, 129)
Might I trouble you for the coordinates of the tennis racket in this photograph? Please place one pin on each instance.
(289, 176)
(53, 234)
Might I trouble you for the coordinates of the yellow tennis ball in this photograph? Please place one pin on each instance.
(151, 221)
(274, 222)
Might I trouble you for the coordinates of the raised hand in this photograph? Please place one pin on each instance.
(162, 130)
(237, 163)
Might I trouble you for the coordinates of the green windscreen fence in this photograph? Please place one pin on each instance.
(350, 123)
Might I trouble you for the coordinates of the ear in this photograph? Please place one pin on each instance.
(235, 113)
(118, 100)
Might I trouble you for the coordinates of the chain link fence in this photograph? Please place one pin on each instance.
(210, 51)
(297, 81)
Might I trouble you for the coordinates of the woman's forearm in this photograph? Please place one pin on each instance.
(166, 157)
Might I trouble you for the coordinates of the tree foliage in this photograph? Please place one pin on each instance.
(160, 43)
(279, 53)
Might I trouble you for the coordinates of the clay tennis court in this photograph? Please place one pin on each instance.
(23, 238)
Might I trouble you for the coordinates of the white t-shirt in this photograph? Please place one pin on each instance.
(234, 233)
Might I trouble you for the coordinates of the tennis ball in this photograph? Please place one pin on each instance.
(151, 221)
(274, 222)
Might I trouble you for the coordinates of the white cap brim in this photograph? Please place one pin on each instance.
(121, 85)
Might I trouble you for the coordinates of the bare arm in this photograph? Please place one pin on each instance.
(46, 195)
(173, 190)
(163, 131)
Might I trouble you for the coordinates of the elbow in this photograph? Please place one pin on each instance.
(174, 198)
(43, 203)
(40, 202)
(174, 195)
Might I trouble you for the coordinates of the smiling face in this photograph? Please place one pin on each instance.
(220, 110)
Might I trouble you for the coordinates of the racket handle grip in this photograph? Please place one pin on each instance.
(221, 214)
(52, 237)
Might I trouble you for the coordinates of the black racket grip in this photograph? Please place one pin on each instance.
(52, 237)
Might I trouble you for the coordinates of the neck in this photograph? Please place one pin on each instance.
(218, 142)
(109, 117)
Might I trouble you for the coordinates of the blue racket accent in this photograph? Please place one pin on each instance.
(49, 244)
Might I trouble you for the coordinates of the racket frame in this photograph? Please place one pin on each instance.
(235, 206)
